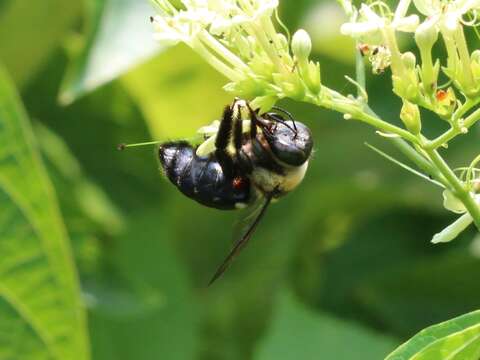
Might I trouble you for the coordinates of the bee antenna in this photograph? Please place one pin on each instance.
(123, 146)
(277, 118)
(289, 115)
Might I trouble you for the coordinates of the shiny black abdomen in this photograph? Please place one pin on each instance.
(202, 178)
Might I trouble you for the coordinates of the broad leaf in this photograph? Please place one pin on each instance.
(299, 333)
(40, 308)
(455, 339)
(119, 36)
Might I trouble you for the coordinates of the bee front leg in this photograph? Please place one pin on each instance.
(224, 136)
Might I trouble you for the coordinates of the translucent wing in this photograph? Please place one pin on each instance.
(246, 217)
(240, 244)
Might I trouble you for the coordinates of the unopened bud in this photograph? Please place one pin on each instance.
(312, 77)
(283, 41)
(410, 115)
(301, 45)
(409, 60)
(476, 56)
(475, 65)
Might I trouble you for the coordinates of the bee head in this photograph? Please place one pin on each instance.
(290, 142)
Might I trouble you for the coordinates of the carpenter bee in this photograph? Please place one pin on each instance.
(253, 159)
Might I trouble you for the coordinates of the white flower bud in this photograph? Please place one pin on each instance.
(426, 35)
(453, 230)
(301, 45)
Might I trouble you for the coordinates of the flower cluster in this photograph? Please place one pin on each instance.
(375, 26)
(238, 38)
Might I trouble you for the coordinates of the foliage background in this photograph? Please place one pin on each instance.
(340, 269)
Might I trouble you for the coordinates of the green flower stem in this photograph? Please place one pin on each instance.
(215, 62)
(428, 75)
(347, 7)
(457, 186)
(269, 48)
(354, 109)
(414, 154)
(451, 49)
(360, 72)
(454, 130)
(410, 152)
(464, 57)
(422, 163)
(221, 50)
(437, 168)
(402, 8)
(398, 68)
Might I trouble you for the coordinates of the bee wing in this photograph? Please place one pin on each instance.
(246, 217)
(240, 244)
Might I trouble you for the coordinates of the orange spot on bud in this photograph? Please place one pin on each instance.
(364, 49)
(441, 95)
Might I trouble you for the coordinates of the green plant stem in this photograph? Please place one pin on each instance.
(419, 160)
(401, 144)
(434, 165)
(454, 131)
(437, 168)
(461, 192)
(354, 109)
(360, 72)
(416, 157)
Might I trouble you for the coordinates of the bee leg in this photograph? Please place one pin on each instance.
(253, 120)
(224, 136)
(257, 121)
(237, 130)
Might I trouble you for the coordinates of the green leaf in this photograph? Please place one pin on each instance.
(455, 339)
(30, 31)
(119, 37)
(42, 316)
(299, 333)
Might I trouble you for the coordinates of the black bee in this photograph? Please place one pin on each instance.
(263, 163)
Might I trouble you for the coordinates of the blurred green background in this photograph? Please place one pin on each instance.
(340, 269)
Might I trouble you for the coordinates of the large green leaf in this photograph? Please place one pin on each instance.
(119, 36)
(455, 339)
(30, 31)
(40, 308)
(299, 333)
